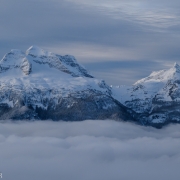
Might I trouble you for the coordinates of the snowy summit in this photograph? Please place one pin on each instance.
(33, 60)
(156, 98)
(39, 84)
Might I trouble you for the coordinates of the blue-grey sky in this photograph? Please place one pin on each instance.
(119, 41)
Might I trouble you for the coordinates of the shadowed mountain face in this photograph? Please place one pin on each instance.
(42, 85)
(155, 99)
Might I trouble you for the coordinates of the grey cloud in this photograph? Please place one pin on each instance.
(156, 14)
(90, 31)
(88, 150)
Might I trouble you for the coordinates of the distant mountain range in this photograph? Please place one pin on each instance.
(42, 85)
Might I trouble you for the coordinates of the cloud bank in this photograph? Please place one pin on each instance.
(98, 150)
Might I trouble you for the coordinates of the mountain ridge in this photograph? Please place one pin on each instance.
(43, 85)
(35, 55)
(155, 99)
(38, 84)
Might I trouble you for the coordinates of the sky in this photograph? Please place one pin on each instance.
(98, 150)
(118, 41)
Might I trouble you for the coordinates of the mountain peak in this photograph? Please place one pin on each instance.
(36, 51)
(162, 76)
(176, 67)
(37, 60)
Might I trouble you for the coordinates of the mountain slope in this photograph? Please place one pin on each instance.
(155, 99)
(42, 85)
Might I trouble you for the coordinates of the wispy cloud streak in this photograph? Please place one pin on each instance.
(143, 12)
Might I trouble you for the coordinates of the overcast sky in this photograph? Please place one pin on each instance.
(119, 41)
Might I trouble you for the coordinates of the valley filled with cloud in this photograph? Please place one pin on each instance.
(88, 150)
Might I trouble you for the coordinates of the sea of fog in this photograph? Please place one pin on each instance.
(88, 150)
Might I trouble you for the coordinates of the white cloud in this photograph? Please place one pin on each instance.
(98, 150)
(96, 53)
(157, 14)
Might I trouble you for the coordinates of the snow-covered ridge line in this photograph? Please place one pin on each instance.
(35, 55)
(155, 98)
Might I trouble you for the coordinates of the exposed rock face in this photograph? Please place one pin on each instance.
(43, 85)
(155, 99)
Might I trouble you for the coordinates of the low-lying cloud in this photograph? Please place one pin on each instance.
(98, 150)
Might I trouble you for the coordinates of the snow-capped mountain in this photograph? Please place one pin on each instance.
(155, 99)
(42, 85)
(38, 84)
